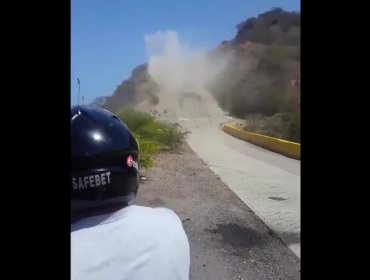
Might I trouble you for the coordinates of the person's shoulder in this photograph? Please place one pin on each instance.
(161, 213)
(165, 211)
(152, 210)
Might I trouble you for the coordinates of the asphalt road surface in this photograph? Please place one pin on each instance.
(267, 182)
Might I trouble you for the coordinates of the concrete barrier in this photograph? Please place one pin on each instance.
(281, 146)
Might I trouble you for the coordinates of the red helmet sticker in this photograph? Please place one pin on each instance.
(130, 161)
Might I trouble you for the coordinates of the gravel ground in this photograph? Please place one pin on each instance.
(227, 240)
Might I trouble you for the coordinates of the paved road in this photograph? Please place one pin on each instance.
(267, 182)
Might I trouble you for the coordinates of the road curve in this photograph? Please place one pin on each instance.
(267, 182)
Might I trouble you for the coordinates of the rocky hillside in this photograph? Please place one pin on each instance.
(275, 27)
(262, 83)
(261, 79)
(265, 74)
(137, 88)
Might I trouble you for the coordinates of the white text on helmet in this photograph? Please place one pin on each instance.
(91, 181)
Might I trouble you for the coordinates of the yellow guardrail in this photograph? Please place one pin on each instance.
(280, 146)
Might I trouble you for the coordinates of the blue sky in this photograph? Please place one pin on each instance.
(107, 36)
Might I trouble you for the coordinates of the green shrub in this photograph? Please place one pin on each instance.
(153, 136)
(282, 125)
(148, 149)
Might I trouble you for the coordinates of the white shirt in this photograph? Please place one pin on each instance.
(135, 243)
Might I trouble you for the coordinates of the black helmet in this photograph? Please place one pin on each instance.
(105, 160)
